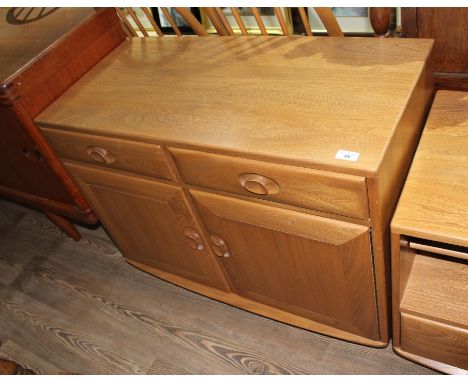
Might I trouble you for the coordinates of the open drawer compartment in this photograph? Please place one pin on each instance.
(434, 302)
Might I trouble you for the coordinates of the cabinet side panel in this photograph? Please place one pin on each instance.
(385, 188)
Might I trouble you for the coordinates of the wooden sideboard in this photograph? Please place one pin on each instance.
(43, 52)
(217, 164)
(430, 243)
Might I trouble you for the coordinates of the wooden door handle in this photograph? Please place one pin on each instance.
(193, 239)
(219, 246)
(258, 184)
(99, 154)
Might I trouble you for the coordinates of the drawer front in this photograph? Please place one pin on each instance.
(434, 340)
(318, 190)
(135, 157)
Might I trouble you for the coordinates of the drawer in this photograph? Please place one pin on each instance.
(434, 340)
(135, 157)
(314, 189)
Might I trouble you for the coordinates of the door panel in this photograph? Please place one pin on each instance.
(304, 264)
(151, 222)
(21, 166)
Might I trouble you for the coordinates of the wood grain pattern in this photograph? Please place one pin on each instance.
(318, 190)
(377, 110)
(160, 214)
(450, 47)
(136, 157)
(385, 189)
(340, 105)
(430, 270)
(437, 289)
(434, 340)
(435, 365)
(171, 329)
(326, 258)
(64, 224)
(431, 205)
(17, 49)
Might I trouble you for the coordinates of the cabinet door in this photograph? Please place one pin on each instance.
(22, 167)
(151, 223)
(308, 265)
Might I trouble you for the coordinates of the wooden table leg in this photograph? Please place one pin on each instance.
(8, 367)
(64, 224)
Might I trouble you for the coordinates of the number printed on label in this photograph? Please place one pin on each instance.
(347, 155)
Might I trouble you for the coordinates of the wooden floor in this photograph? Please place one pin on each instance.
(79, 307)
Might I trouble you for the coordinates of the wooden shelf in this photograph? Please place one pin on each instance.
(437, 289)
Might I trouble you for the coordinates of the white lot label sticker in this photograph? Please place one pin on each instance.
(347, 155)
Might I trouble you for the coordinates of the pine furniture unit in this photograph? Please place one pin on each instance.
(43, 52)
(241, 196)
(430, 243)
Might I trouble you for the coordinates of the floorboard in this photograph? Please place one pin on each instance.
(78, 307)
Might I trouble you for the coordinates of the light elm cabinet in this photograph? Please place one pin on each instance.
(217, 164)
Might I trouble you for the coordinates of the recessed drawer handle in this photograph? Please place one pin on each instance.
(193, 239)
(258, 184)
(219, 246)
(98, 154)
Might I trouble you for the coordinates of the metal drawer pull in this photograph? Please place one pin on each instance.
(193, 239)
(258, 184)
(98, 154)
(219, 246)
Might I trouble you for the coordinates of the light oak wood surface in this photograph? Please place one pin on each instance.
(303, 264)
(437, 288)
(429, 244)
(282, 107)
(166, 227)
(434, 201)
(137, 157)
(434, 340)
(317, 190)
(295, 99)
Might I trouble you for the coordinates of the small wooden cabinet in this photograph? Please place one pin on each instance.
(308, 265)
(152, 223)
(217, 164)
(430, 244)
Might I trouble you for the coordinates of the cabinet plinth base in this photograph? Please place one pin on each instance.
(258, 308)
(437, 366)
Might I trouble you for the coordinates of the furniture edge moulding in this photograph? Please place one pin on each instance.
(258, 307)
(401, 267)
(385, 194)
(57, 67)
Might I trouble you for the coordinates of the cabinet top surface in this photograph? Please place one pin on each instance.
(295, 99)
(434, 202)
(25, 33)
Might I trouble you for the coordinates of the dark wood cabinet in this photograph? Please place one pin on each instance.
(42, 55)
(449, 29)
